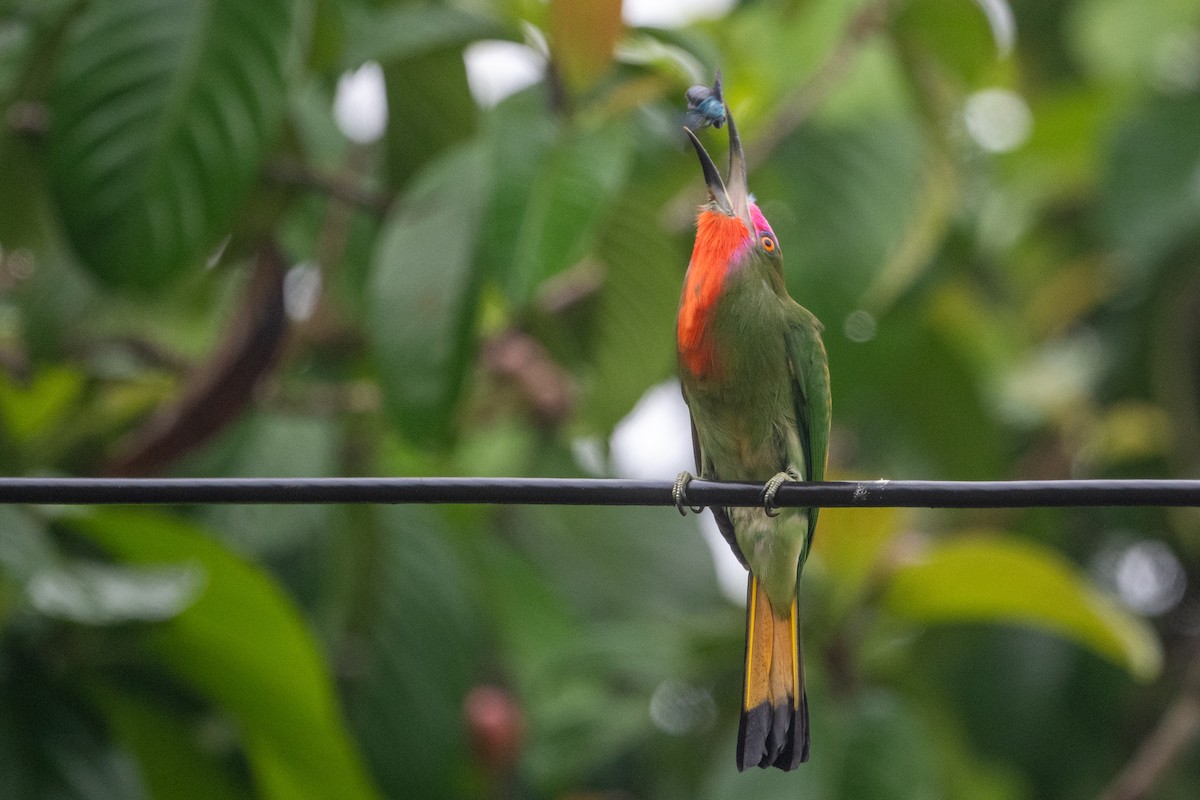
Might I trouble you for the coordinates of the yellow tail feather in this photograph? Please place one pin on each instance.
(774, 721)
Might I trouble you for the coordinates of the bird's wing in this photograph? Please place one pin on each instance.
(810, 393)
(704, 470)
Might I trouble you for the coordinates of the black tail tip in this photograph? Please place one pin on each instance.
(774, 736)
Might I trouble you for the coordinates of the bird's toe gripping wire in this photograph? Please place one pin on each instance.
(679, 492)
(772, 487)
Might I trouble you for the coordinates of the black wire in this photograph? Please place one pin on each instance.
(554, 491)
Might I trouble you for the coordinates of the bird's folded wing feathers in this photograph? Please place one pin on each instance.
(810, 388)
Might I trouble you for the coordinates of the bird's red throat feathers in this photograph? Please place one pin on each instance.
(719, 240)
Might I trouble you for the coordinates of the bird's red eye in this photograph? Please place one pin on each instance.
(768, 244)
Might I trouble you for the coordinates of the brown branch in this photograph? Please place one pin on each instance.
(347, 189)
(218, 393)
(1176, 729)
(515, 358)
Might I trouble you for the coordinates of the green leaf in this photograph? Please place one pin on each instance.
(25, 547)
(420, 651)
(1151, 202)
(956, 34)
(397, 34)
(104, 594)
(53, 746)
(281, 445)
(423, 293)
(850, 544)
(1006, 580)
(430, 109)
(884, 750)
(593, 613)
(567, 199)
(18, 776)
(520, 136)
(162, 111)
(244, 646)
(1128, 41)
(525, 610)
(175, 761)
(841, 197)
(633, 345)
(37, 407)
(605, 565)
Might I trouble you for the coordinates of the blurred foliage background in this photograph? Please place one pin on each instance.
(218, 257)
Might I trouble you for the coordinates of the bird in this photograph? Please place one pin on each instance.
(755, 376)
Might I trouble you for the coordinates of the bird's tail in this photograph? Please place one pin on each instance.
(774, 726)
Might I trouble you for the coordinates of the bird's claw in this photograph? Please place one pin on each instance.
(679, 492)
(772, 487)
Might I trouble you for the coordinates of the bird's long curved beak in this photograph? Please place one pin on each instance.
(732, 197)
(712, 177)
(737, 186)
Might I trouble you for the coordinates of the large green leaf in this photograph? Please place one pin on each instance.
(281, 445)
(175, 761)
(51, 743)
(25, 546)
(162, 111)
(1005, 580)
(954, 33)
(412, 30)
(1151, 202)
(841, 197)
(36, 408)
(423, 291)
(1130, 41)
(634, 345)
(850, 544)
(520, 138)
(570, 192)
(884, 750)
(107, 594)
(17, 773)
(420, 649)
(430, 109)
(595, 608)
(605, 564)
(420, 45)
(244, 646)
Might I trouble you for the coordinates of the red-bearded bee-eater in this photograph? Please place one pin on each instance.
(756, 380)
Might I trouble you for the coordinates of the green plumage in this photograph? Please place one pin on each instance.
(767, 412)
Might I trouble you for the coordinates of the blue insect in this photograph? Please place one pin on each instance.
(706, 106)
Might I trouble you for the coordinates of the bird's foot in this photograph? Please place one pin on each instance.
(679, 492)
(772, 487)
